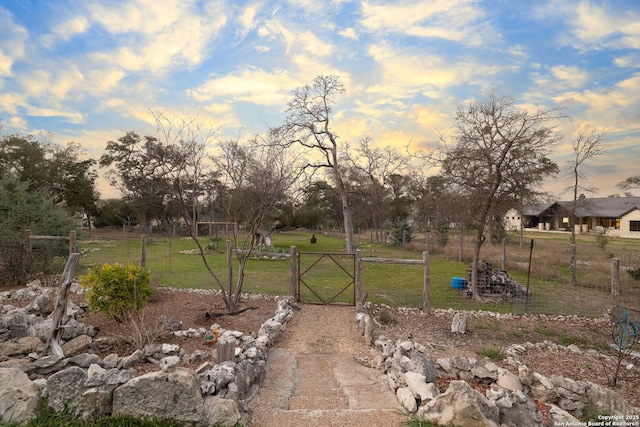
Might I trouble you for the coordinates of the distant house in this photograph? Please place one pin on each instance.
(615, 216)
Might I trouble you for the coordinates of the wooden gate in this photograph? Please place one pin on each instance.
(326, 278)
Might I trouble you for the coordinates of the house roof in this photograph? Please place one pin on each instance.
(536, 210)
(604, 207)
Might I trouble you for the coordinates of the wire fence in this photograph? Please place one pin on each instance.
(175, 262)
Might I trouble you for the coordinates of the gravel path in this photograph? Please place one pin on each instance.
(313, 377)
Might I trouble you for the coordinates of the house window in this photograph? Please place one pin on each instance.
(634, 225)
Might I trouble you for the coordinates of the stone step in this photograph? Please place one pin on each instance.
(331, 418)
(319, 401)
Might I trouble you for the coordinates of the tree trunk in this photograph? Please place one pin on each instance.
(574, 266)
(474, 266)
(348, 224)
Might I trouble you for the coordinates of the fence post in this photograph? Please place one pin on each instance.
(504, 253)
(53, 341)
(426, 291)
(293, 272)
(615, 283)
(143, 250)
(230, 266)
(461, 254)
(72, 242)
(28, 243)
(361, 296)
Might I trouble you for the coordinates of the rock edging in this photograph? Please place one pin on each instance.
(508, 399)
(86, 386)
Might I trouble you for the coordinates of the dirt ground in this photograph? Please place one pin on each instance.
(486, 334)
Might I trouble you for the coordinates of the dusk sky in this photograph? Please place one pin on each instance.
(90, 71)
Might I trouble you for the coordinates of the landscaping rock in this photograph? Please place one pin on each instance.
(19, 396)
(462, 406)
(173, 395)
(406, 399)
(64, 393)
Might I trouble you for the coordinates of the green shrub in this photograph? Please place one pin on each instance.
(634, 273)
(117, 289)
(492, 353)
(386, 318)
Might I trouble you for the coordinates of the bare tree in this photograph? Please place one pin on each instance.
(587, 147)
(257, 176)
(308, 125)
(379, 170)
(630, 183)
(495, 143)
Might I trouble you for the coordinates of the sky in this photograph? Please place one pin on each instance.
(90, 71)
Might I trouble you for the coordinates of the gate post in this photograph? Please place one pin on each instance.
(426, 291)
(361, 297)
(143, 250)
(293, 272)
(615, 283)
(72, 241)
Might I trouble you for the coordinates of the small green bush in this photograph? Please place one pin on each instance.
(386, 318)
(117, 289)
(492, 353)
(634, 273)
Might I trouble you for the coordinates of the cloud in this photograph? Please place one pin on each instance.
(450, 20)
(14, 38)
(406, 73)
(560, 78)
(295, 40)
(594, 25)
(247, 19)
(5, 64)
(349, 33)
(158, 36)
(612, 108)
(628, 61)
(66, 30)
(11, 102)
(251, 85)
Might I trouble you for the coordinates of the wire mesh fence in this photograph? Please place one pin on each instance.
(543, 272)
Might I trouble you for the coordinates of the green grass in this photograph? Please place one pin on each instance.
(48, 418)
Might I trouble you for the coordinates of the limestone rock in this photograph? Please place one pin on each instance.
(423, 365)
(175, 395)
(560, 417)
(84, 360)
(76, 345)
(516, 409)
(48, 364)
(217, 378)
(169, 364)
(220, 412)
(508, 380)
(64, 393)
(459, 323)
(419, 386)
(19, 397)
(271, 329)
(603, 400)
(462, 406)
(133, 359)
(24, 345)
(407, 399)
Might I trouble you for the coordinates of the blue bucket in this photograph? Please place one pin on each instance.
(459, 283)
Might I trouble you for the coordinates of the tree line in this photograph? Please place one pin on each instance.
(300, 173)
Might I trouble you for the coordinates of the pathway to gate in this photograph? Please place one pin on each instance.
(313, 377)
